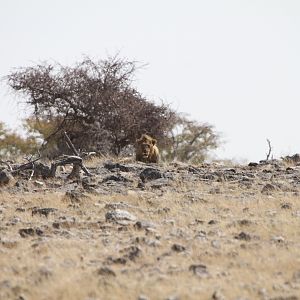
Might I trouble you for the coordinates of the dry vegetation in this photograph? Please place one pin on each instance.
(203, 233)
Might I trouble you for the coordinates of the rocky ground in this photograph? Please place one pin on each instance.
(137, 231)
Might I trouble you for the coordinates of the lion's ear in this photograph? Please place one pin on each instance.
(154, 142)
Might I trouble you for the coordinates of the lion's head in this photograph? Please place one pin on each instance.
(146, 149)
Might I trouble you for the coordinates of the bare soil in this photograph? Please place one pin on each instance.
(137, 231)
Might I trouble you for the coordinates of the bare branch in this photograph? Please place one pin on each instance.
(270, 149)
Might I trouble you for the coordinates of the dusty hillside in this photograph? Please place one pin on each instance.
(136, 231)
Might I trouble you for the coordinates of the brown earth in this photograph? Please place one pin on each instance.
(137, 231)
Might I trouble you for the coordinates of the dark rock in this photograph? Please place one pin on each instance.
(292, 159)
(116, 166)
(209, 177)
(104, 271)
(20, 209)
(56, 225)
(212, 222)
(131, 252)
(42, 170)
(149, 174)
(268, 188)
(243, 236)
(39, 232)
(178, 248)
(253, 164)
(194, 170)
(199, 270)
(117, 178)
(141, 185)
(231, 171)
(244, 222)
(119, 260)
(25, 232)
(286, 206)
(5, 177)
(43, 211)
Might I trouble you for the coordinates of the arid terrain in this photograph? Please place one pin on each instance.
(167, 231)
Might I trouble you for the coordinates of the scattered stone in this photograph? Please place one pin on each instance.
(149, 174)
(159, 183)
(292, 159)
(119, 260)
(131, 252)
(243, 236)
(142, 297)
(244, 222)
(173, 298)
(25, 232)
(105, 271)
(5, 177)
(117, 205)
(43, 211)
(14, 221)
(253, 164)
(144, 225)
(278, 239)
(42, 170)
(117, 178)
(216, 244)
(118, 167)
(268, 188)
(199, 270)
(212, 222)
(286, 205)
(217, 295)
(20, 209)
(178, 248)
(119, 215)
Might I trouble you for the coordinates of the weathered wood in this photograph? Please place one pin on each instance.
(72, 147)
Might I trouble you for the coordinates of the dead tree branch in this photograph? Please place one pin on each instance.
(71, 146)
(270, 149)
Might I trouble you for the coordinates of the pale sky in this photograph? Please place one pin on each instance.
(233, 64)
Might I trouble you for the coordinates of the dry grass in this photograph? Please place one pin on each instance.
(66, 262)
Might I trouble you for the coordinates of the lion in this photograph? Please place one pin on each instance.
(146, 149)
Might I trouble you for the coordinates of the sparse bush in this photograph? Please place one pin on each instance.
(190, 141)
(94, 101)
(13, 145)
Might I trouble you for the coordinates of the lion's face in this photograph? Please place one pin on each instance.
(145, 148)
